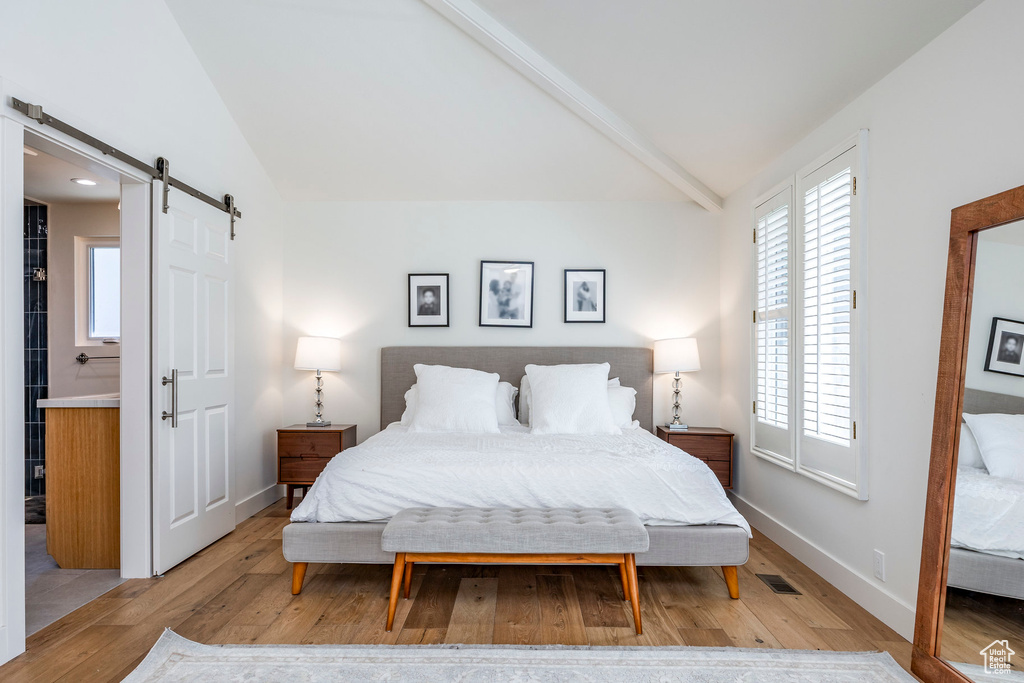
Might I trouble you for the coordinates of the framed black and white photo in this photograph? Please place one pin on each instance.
(1006, 347)
(428, 300)
(506, 294)
(584, 296)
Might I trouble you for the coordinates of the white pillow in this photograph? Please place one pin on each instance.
(504, 404)
(526, 397)
(454, 400)
(970, 453)
(570, 399)
(622, 401)
(1001, 440)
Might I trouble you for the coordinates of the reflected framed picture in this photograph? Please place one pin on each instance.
(584, 295)
(506, 294)
(428, 300)
(1006, 347)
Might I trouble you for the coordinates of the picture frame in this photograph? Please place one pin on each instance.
(428, 300)
(1006, 347)
(583, 295)
(506, 293)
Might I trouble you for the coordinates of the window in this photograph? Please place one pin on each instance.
(772, 324)
(97, 290)
(104, 292)
(806, 237)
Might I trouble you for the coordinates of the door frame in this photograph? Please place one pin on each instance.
(136, 431)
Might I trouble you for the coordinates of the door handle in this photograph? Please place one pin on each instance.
(173, 415)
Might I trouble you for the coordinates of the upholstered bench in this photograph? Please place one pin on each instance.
(515, 536)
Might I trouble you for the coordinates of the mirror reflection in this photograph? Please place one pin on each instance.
(983, 628)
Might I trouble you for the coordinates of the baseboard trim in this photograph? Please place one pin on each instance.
(896, 614)
(250, 506)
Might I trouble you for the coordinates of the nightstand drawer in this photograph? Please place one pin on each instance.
(710, 445)
(308, 444)
(703, 447)
(301, 470)
(723, 469)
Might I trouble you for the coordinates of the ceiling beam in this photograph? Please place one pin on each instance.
(492, 34)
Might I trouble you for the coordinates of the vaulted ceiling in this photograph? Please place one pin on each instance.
(389, 100)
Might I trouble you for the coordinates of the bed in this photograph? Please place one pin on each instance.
(987, 546)
(723, 541)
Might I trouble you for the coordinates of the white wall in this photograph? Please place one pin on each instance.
(347, 264)
(68, 377)
(998, 293)
(132, 80)
(945, 130)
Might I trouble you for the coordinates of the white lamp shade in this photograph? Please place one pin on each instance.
(318, 353)
(676, 355)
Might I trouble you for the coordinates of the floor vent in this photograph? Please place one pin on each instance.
(778, 584)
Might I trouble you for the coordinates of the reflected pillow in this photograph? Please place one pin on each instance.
(969, 453)
(1001, 440)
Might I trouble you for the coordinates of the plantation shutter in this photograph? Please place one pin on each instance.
(772, 318)
(826, 308)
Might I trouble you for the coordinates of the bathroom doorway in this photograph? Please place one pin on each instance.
(72, 386)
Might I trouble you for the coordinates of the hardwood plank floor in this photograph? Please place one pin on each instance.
(238, 590)
(974, 620)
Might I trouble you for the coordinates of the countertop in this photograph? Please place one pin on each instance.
(97, 401)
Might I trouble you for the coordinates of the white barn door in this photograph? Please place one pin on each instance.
(193, 341)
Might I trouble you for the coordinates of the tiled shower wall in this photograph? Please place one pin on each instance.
(35, 347)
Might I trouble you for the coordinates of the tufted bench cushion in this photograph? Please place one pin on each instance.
(510, 530)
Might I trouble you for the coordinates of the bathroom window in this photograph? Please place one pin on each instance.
(98, 289)
(104, 292)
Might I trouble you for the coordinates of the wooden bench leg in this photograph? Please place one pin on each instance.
(732, 580)
(408, 578)
(634, 591)
(396, 585)
(625, 579)
(298, 575)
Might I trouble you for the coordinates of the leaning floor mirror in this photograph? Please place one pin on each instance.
(970, 608)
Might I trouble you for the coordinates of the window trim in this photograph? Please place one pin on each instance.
(83, 286)
(859, 362)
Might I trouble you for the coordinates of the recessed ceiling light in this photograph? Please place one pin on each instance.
(31, 152)
(83, 181)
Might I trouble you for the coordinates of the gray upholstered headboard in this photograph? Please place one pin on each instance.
(633, 366)
(977, 402)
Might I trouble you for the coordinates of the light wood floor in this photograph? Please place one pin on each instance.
(974, 620)
(238, 591)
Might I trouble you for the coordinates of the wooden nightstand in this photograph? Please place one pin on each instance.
(303, 453)
(710, 444)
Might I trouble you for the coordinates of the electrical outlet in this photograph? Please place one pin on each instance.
(38, 472)
(879, 565)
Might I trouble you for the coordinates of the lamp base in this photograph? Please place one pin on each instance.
(675, 427)
(323, 423)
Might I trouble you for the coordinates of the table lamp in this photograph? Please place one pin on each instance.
(676, 355)
(322, 354)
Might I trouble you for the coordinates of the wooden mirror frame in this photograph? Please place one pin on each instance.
(967, 221)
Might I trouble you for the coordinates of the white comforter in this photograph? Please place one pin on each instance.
(988, 513)
(396, 469)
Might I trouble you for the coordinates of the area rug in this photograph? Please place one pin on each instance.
(174, 658)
